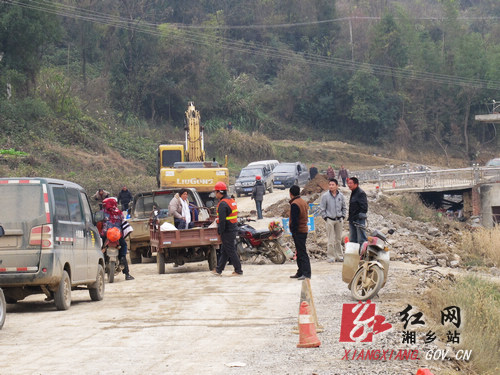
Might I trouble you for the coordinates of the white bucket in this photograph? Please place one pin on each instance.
(351, 261)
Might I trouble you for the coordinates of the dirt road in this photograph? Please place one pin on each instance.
(190, 322)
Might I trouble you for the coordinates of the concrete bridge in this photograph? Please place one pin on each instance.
(479, 188)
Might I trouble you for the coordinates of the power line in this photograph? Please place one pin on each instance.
(251, 48)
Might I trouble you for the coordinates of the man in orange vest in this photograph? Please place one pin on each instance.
(298, 227)
(227, 219)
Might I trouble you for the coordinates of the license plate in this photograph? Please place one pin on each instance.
(277, 182)
(247, 189)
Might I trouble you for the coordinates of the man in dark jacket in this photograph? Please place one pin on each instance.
(124, 197)
(258, 192)
(298, 227)
(358, 208)
(227, 219)
(313, 171)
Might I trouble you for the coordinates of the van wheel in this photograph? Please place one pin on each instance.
(96, 290)
(62, 296)
(160, 263)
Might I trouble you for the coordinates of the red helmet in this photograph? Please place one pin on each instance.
(220, 186)
(258, 177)
(113, 234)
(110, 202)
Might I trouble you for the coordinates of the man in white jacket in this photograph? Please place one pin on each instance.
(333, 210)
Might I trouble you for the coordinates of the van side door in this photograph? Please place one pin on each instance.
(65, 236)
(79, 244)
(92, 238)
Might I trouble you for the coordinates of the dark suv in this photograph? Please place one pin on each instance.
(288, 174)
(246, 179)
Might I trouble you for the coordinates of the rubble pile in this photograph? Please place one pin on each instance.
(413, 241)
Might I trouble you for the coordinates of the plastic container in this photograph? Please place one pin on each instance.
(351, 261)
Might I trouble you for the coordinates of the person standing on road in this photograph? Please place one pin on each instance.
(358, 208)
(343, 175)
(258, 192)
(125, 197)
(100, 195)
(313, 171)
(298, 227)
(333, 210)
(227, 225)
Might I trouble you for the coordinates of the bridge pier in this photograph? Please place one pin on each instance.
(489, 204)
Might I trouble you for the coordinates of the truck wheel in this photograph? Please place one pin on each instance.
(3, 309)
(212, 258)
(62, 296)
(134, 259)
(160, 263)
(96, 290)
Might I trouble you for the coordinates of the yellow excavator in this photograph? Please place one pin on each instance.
(185, 165)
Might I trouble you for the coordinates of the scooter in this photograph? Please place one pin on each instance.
(3, 303)
(110, 249)
(365, 267)
(251, 242)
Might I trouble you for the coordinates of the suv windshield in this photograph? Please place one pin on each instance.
(21, 203)
(250, 172)
(288, 168)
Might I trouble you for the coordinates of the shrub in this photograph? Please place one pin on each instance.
(480, 247)
(479, 302)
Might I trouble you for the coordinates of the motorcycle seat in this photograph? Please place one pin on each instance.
(262, 234)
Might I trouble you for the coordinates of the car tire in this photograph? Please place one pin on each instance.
(96, 290)
(62, 296)
(3, 309)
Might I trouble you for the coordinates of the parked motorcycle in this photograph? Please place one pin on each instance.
(365, 267)
(3, 304)
(111, 249)
(251, 242)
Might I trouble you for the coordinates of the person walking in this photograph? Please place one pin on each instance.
(333, 210)
(358, 208)
(298, 227)
(313, 171)
(100, 195)
(258, 192)
(343, 175)
(227, 227)
(125, 197)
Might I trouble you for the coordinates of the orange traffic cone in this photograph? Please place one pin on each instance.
(424, 371)
(307, 329)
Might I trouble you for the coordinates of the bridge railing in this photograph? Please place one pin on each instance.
(432, 179)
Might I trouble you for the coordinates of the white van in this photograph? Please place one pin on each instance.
(269, 164)
(50, 244)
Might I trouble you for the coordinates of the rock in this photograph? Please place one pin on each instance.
(441, 262)
(454, 263)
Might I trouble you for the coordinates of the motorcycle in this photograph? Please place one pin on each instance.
(3, 303)
(251, 242)
(110, 249)
(365, 267)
